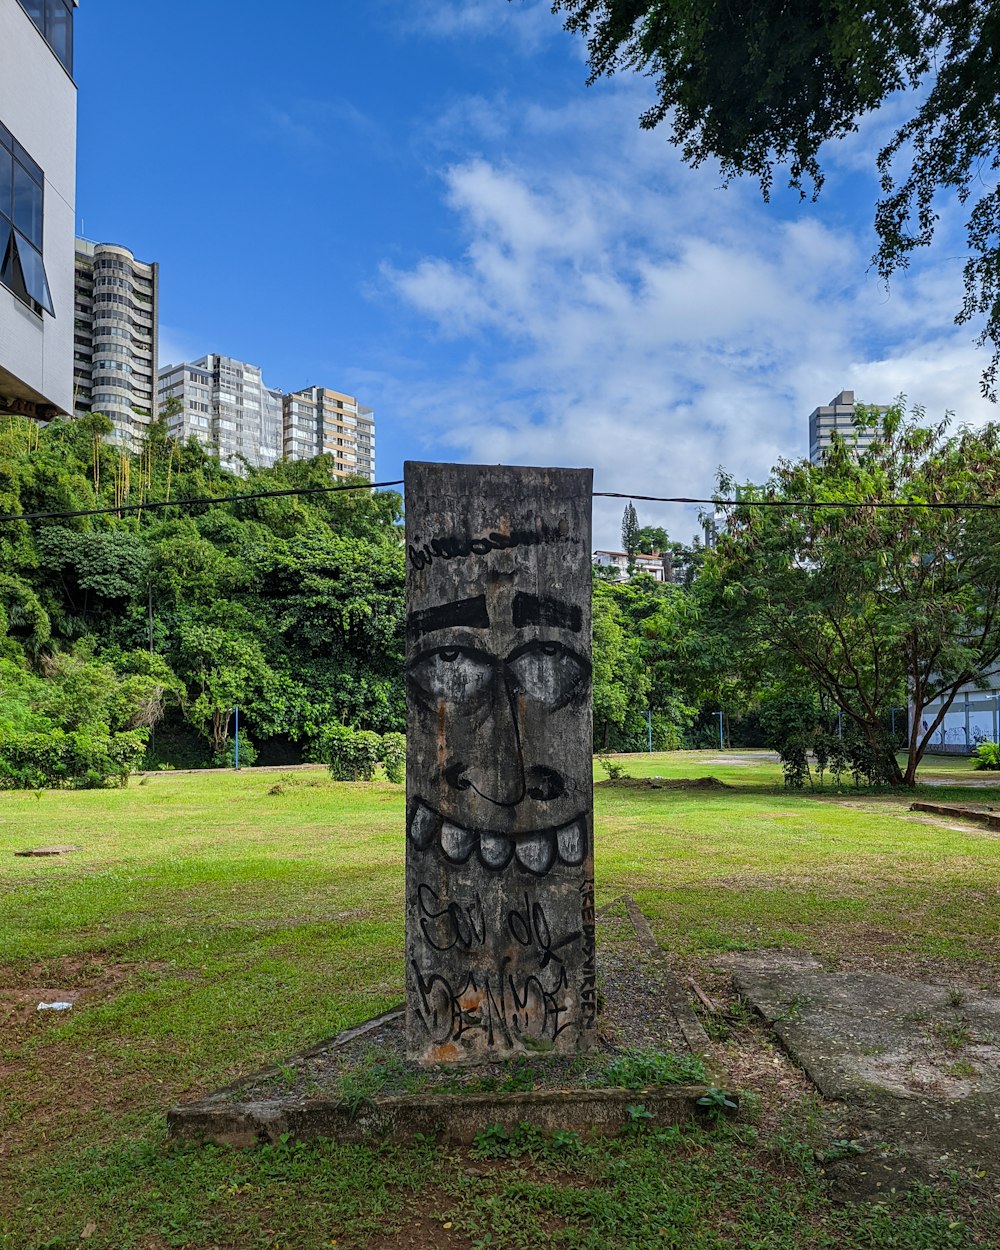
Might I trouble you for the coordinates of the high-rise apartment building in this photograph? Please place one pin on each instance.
(225, 404)
(317, 421)
(37, 198)
(114, 338)
(837, 415)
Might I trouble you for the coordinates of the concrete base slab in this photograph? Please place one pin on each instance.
(920, 1062)
(454, 1119)
(987, 818)
(352, 1087)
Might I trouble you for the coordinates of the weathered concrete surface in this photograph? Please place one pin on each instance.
(989, 820)
(450, 1119)
(499, 848)
(920, 1062)
(305, 1095)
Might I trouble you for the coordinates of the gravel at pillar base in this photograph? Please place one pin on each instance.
(499, 823)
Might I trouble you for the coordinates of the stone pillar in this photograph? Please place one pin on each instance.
(499, 823)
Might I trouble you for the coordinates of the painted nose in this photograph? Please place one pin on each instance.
(498, 775)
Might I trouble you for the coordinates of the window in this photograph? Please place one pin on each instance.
(54, 20)
(22, 198)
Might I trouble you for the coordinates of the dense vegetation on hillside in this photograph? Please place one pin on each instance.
(131, 637)
(155, 624)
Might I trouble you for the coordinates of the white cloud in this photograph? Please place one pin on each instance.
(616, 309)
(527, 23)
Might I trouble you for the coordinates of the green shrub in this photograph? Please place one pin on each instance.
(639, 1069)
(615, 769)
(350, 754)
(987, 756)
(394, 756)
(84, 759)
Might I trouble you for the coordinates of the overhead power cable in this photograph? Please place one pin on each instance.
(203, 501)
(210, 500)
(971, 505)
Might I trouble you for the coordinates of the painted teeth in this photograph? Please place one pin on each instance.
(495, 850)
(457, 843)
(537, 852)
(424, 827)
(572, 841)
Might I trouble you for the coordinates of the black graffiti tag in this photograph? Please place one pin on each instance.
(453, 925)
(531, 928)
(495, 1003)
(588, 985)
(452, 546)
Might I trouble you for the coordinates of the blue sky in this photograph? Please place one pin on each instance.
(420, 202)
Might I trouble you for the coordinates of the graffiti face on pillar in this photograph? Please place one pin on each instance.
(499, 856)
(502, 790)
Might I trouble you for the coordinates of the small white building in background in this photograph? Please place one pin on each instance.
(37, 206)
(973, 717)
(659, 565)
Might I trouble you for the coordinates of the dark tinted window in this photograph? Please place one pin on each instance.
(54, 18)
(6, 181)
(33, 270)
(59, 30)
(27, 205)
(22, 205)
(24, 159)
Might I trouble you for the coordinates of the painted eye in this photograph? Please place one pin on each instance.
(459, 675)
(548, 672)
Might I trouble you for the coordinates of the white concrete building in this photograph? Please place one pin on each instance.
(37, 206)
(659, 565)
(225, 405)
(973, 717)
(114, 339)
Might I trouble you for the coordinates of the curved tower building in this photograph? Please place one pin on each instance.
(114, 338)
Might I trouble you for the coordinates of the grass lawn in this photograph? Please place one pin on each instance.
(211, 926)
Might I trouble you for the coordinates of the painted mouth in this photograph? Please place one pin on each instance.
(535, 852)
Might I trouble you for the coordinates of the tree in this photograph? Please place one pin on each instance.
(630, 535)
(764, 86)
(652, 538)
(867, 605)
(620, 680)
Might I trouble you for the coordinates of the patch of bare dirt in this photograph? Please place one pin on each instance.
(70, 979)
(426, 1227)
(80, 972)
(742, 1045)
(978, 830)
(55, 1085)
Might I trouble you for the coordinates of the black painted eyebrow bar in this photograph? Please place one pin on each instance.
(468, 612)
(541, 610)
(472, 614)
